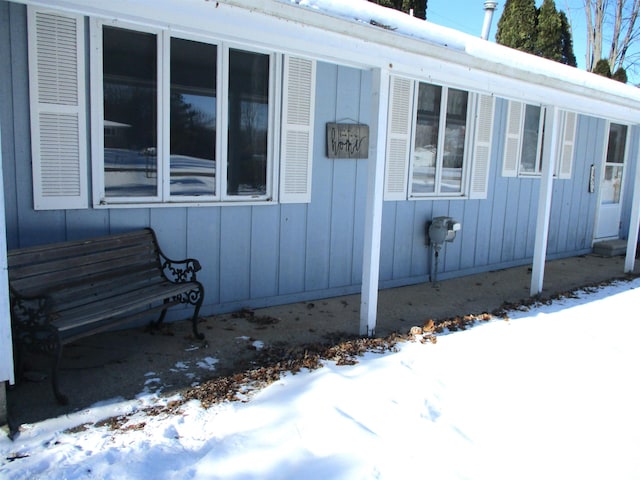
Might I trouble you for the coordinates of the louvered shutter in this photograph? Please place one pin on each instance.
(482, 147)
(58, 110)
(297, 130)
(398, 139)
(567, 144)
(513, 139)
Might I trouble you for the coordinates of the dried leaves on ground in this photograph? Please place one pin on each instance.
(272, 362)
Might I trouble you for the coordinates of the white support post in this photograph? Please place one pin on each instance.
(375, 190)
(6, 346)
(550, 149)
(634, 223)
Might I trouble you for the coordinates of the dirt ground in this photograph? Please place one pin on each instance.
(128, 363)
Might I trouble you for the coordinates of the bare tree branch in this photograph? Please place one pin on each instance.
(631, 34)
(620, 18)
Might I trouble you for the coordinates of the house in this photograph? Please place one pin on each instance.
(298, 149)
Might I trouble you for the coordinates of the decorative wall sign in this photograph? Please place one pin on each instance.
(347, 140)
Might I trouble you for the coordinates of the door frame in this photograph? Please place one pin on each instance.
(603, 165)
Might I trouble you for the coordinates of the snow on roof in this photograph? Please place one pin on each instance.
(364, 12)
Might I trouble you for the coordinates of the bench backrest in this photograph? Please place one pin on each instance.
(35, 270)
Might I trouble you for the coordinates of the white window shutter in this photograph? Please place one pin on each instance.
(58, 110)
(398, 138)
(512, 145)
(297, 130)
(567, 145)
(482, 147)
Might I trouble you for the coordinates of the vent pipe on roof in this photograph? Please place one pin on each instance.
(489, 8)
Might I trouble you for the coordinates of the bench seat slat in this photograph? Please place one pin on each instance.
(80, 247)
(60, 280)
(117, 305)
(94, 290)
(23, 260)
(51, 270)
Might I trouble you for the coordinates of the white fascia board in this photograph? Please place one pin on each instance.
(479, 66)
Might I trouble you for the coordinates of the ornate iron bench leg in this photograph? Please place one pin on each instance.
(197, 302)
(154, 325)
(194, 322)
(57, 356)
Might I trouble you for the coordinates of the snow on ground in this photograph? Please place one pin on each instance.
(552, 393)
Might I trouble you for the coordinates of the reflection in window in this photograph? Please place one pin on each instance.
(193, 118)
(617, 143)
(130, 113)
(454, 141)
(426, 139)
(438, 164)
(612, 182)
(530, 153)
(248, 123)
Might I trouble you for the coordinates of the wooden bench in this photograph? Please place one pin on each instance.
(65, 291)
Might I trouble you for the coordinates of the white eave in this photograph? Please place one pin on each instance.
(422, 50)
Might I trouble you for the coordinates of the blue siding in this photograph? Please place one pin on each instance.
(264, 255)
(293, 227)
(265, 238)
(235, 254)
(203, 244)
(8, 17)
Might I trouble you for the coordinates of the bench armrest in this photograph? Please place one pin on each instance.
(30, 312)
(180, 271)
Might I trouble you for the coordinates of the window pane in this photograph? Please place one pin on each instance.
(426, 140)
(617, 143)
(454, 141)
(130, 113)
(193, 118)
(248, 123)
(611, 184)
(529, 158)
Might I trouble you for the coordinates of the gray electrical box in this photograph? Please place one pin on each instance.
(438, 231)
(441, 229)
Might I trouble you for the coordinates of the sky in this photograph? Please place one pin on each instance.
(468, 16)
(549, 393)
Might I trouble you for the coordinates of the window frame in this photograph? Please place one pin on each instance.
(439, 163)
(163, 52)
(400, 142)
(537, 171)
(567, 127)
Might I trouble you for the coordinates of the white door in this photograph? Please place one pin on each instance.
(609, 211)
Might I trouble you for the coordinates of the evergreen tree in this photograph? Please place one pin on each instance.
(549, 32)
(603, 68)
(517, 25)
(620, 75)
(568, 57)
(544, 32)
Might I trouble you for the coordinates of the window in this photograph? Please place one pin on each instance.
(174, 119)
(524, 141)
(531, 153)
(248, 123)
(614, 164)
(439, 141)
(150, 156)
(192, 118)
(439, 138)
